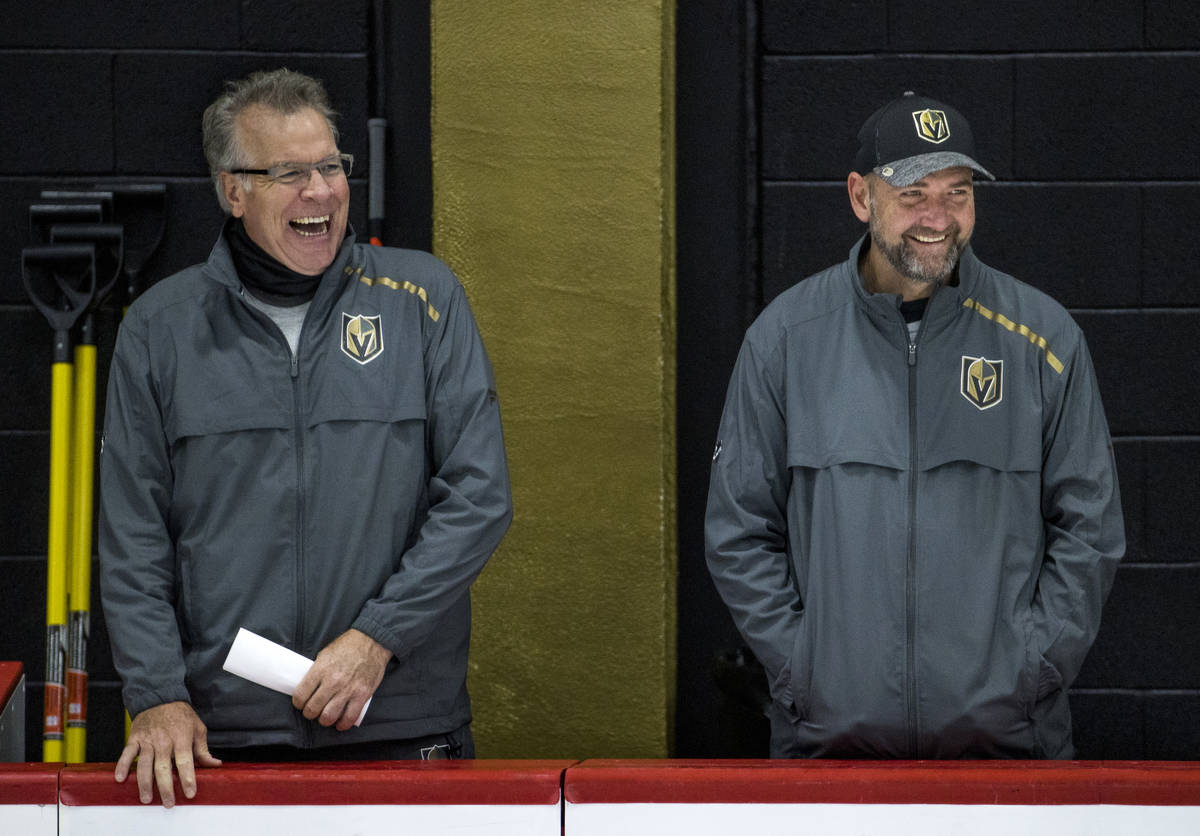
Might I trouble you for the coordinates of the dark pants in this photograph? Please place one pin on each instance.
(452, 745)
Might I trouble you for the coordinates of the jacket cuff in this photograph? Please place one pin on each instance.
(371, 627)
(138, 701)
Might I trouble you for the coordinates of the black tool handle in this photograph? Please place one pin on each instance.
(61, 282)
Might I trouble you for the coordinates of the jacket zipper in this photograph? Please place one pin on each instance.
(910, 580)
(305, 729)
(294, 374)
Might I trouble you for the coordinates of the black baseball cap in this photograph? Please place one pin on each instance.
(913, 136)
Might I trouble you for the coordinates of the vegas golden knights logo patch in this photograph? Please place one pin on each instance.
(362, 337)
(982, 381)
(932, 125)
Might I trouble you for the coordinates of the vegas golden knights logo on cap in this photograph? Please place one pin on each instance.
(362, 337)
(932, 125)
(982, 381)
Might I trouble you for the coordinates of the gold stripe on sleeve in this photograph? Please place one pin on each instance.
(384, 281)
(1016, 328)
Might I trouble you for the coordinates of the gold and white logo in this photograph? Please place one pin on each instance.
(982, 381)
(932, 125)
(362, 337)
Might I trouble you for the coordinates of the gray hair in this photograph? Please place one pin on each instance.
(282, 90)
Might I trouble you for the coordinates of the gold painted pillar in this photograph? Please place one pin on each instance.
(553, 177)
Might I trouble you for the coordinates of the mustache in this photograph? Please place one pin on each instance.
(952, 231)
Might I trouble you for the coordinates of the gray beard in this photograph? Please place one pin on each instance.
(905, 261)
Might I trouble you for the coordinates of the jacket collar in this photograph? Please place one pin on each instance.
(220, 268)
(944, 304)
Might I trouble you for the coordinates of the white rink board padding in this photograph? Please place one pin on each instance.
(507, 798)
(871, 819)
(929, 798)
(29, 798)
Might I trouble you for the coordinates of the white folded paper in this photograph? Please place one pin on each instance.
(271, 665)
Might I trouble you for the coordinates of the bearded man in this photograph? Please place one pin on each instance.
(913, 512)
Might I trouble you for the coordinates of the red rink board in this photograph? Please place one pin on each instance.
(375, 782)
(29, 783)
(883, 782)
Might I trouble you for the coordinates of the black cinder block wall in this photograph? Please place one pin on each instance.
(1088, 113)
(101, 93)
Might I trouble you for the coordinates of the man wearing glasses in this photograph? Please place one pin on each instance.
(303, 439)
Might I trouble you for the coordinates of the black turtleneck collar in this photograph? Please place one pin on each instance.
(914, 309)
(263, 275)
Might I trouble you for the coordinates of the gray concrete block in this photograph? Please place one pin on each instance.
(26, 344)
(826, 26)
(1171, 24)
(1107, 117)
(1081, 244)
(805, 228)
(304, 26)
(57, 111)
(1109, 725)
(24, 493)
(1172, 732)
(121, 24)
(1144, 362)
(1170, 244)
(812, 108)
(1150, 632)
(1015, 26)
(1172, 526)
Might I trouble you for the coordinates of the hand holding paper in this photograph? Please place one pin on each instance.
(271, 665)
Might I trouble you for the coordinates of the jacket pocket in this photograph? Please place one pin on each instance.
(1042, 678)
(799, 682)
(1049, 678)
(1049, 710)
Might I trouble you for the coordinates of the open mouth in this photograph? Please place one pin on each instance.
(930, 239)
(310, 227)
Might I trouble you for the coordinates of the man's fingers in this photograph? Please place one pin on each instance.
(187, 772)
(124, 762)
(203, 756)
(330, 706)
(145, 778)
(310, 708)
(353, 709)
(333, 711)
(320, 706)
(164, 777)
(162, 739)
(322, 702)
(341, 680)
(306, 688)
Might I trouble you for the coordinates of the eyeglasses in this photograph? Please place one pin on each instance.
(291, 174)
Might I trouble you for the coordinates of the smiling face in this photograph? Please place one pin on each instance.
(917, 232)
(302, 225)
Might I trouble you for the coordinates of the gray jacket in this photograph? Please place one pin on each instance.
(916, 540)
(360, 483)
